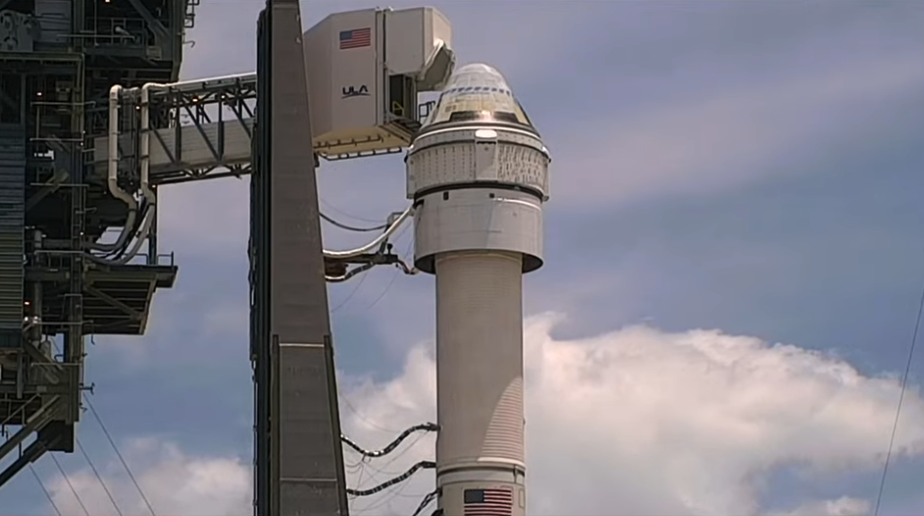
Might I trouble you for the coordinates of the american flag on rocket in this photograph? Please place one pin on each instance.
(355, 38)
(487, 502)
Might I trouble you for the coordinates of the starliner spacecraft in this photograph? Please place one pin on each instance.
(478, 174)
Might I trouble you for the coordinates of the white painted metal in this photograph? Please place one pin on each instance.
(479, 314)
(460, 156)
(478, 174)
(194, 148)
(414, 37)
(488, 219)
(354, 109)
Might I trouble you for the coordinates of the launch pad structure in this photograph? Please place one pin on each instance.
(58, 60)
(93, 122)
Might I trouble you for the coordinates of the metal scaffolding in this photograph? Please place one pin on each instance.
(54, 289)
(207, 134)
(61, 181)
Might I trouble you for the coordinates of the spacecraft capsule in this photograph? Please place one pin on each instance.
(477, 93)
(478, 173)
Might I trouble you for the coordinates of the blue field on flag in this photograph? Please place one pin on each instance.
(355, 38)
(487, 502)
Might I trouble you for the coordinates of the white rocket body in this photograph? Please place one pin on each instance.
(478, 173)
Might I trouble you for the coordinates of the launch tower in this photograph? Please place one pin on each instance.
(63, 273)
(93, 123)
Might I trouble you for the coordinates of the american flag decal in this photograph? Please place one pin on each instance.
(488, 502)
(355, 38)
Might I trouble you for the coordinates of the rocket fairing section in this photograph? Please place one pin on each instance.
(478, 174)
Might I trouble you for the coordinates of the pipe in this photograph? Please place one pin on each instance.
(349, 274)
(147, 192)
(198, 84)
(375, 243)
(145, 164)
(146, 189)
(115, 94)
(143, 231)
(37, 301)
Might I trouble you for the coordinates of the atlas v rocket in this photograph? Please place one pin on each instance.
(478, 174)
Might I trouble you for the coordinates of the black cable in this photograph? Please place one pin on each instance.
(382, 250)
(346, 401)
(119, 454)
(99, 477)
(901, 399)
(352, 228)
(425, 427)
(45, 490)
(427, 500)
(70, 485)
(115, 448)
(424, 464)
(359, 479)
(117, 254)
(350, 273)
(401, 265)
(351, 294)
(335, 209)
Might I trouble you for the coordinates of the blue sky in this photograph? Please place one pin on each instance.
(752, 168)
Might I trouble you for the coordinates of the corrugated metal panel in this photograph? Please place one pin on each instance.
(53, 18)
(299, 458)
(308, 459)
(194, 150)
(12, 197)
(479, 339)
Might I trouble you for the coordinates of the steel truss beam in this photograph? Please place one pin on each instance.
(205, 118)
(39, 393)
(160, 32)
(208, 130)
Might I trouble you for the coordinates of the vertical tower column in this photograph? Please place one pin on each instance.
(298, 456)
(478, 174)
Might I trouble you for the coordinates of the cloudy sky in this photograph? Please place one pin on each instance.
(734, 257)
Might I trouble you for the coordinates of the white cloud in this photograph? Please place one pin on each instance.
(843, 506)
(636, 421)
(174, 483)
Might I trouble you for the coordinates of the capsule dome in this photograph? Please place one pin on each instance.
(477, 93)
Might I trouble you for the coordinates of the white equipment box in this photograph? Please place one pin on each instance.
(365, 70)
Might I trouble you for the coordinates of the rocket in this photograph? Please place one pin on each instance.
(478, 175)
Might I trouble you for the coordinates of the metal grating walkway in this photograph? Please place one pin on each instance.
(12, 196)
